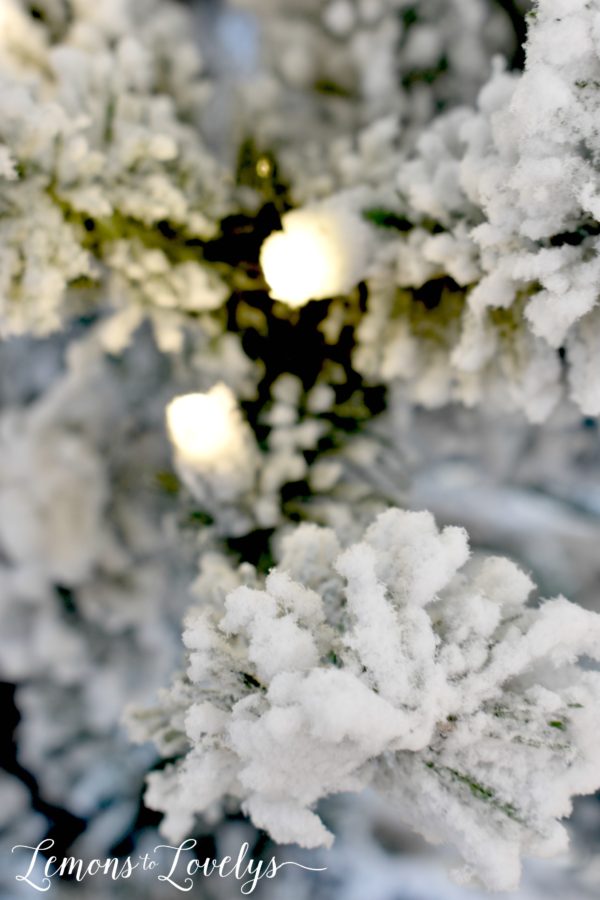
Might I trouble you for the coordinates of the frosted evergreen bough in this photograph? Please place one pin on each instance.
(483, 283)
(359, 59)
(225, 298)
(497, 268)
(100, 149)
(93, 567)
(397, 662)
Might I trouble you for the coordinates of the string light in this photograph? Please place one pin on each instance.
(9, 21)
(200, 425)
(7, 15)
(321, 251)
(215, 449)
(16, 31)
(263, 167)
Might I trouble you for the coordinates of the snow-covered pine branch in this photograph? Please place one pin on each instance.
(397, 663)
(501, 237)
(100, 148)
(482, 281)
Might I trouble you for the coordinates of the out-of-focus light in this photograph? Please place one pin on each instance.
(201, 426)
(216, 454)
(320, 252)
(263, 167)
(9, 18)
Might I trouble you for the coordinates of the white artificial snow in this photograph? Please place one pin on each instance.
(99, 143)
(396, 663)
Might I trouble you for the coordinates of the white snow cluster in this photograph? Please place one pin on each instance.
(399, 663)
(500, 267)
(343, 84)
(94, 564)
(100, 107)
(377, 56)
(167, 401)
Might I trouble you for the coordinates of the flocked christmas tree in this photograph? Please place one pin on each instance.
(225, 302)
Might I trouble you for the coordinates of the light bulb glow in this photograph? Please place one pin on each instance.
(201, 426)
(15, 29)
(7, 16)
(299, 263)
(322, 251)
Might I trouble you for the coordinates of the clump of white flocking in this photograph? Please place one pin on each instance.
(100, 143)
(398, 662)
(503, 258)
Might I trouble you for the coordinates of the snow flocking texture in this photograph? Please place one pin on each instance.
(397, 663)
(400, 663)
(99, 143)
(496, 268)
(509, 188)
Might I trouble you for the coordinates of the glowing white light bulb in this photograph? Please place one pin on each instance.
(201, 425)
(7, 16)
(17, 33)
(321, 251)
(215, 450)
